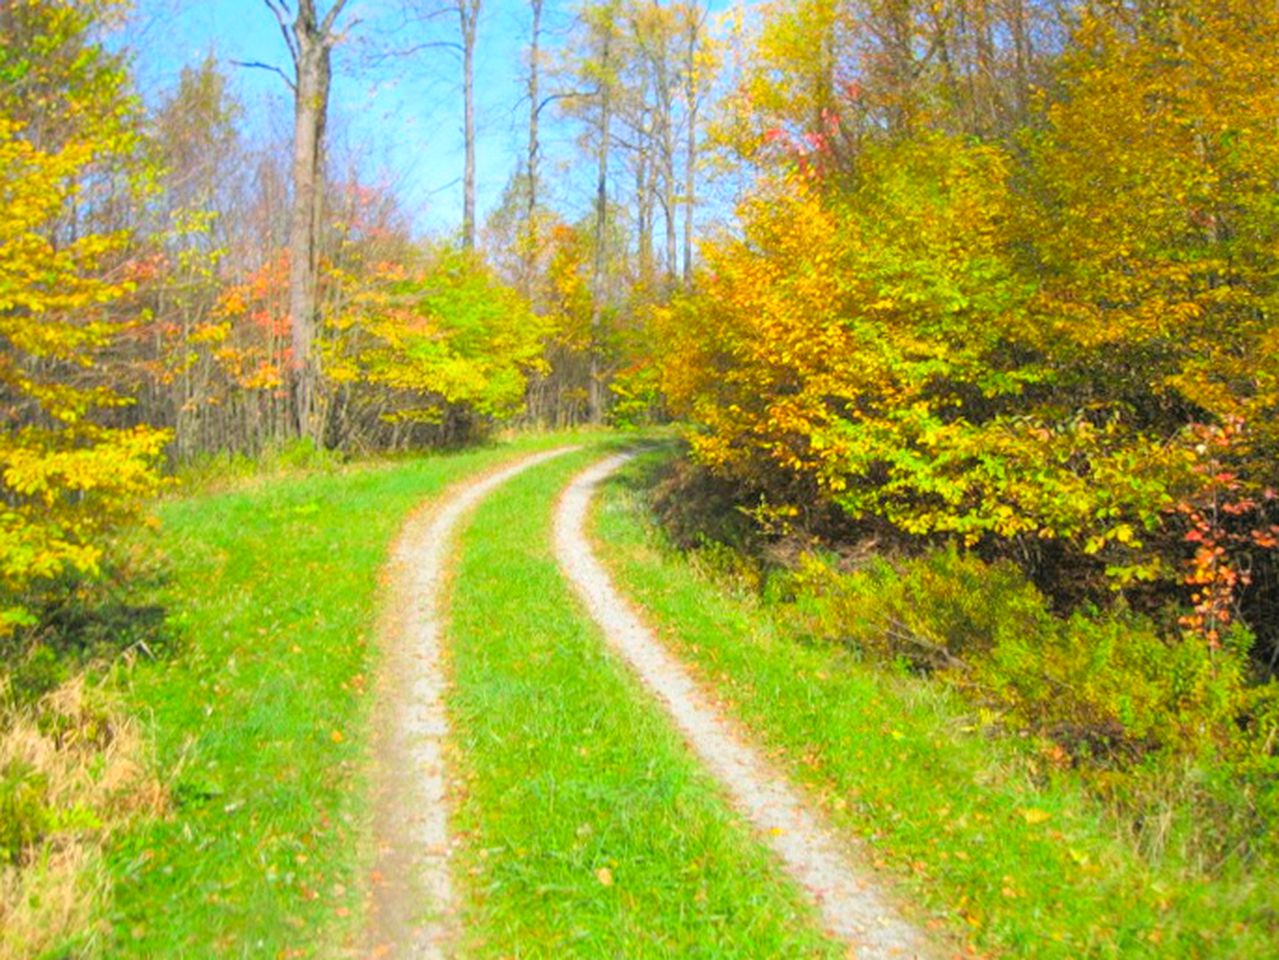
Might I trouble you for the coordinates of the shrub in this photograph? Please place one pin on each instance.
(940, 610)
(80, 620)
(637, 396)
(1108, 688)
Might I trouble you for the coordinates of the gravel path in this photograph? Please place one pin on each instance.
(851, 905)
(411, 896)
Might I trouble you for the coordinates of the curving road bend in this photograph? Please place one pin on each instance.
(411, 895)
(851, 905)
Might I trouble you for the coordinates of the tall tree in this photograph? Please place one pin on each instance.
(653, 31)
(602, 68)
(695, 63)
(69, 164)
(534, 114)
(310, 38)
(468, 16)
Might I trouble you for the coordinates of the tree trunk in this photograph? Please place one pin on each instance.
(308, 134)
(901, 60)
(1022, 57)
(311, 44)
(644, 220)
(468, 14)
(595, 388)
(529, 241)
(987, 103)
(534, 111)
(692, 94)
(668, 179)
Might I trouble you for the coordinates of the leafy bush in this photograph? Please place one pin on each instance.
(943, 610)
(302, 454)
(81, 621)
(637, 396)
(35, 674)
(1109, 688)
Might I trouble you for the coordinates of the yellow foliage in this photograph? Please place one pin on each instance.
(67, 479)
(974, 341)
(448, 335)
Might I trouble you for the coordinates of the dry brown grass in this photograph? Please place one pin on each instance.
(73, 769)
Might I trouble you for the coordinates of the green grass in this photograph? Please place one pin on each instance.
(1027, 870)
(260, 717)
(570, 769)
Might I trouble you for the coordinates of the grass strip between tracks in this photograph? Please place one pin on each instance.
(587, 827)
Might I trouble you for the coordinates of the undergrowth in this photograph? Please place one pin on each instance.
(74, 767)
(1179, 738)
(1169, 732)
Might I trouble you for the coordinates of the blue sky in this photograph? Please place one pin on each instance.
(400, 116)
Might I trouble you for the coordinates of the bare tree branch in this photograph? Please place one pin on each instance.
(381, 58)
(281, 10)
(330, 18)
(268, 67)
(346, 31)
(548, 100)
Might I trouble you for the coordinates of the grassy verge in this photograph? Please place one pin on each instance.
(72, 770)
(259, 720)
(966, 824)
(588, 828)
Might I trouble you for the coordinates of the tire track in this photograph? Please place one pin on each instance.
(411, 902)
(850, 902)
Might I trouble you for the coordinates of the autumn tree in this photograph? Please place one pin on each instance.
(310, 37)
(824, 76)
(1157, 240)
(435, 343)
(194, 221)
(1057, 343)
(69, 159)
